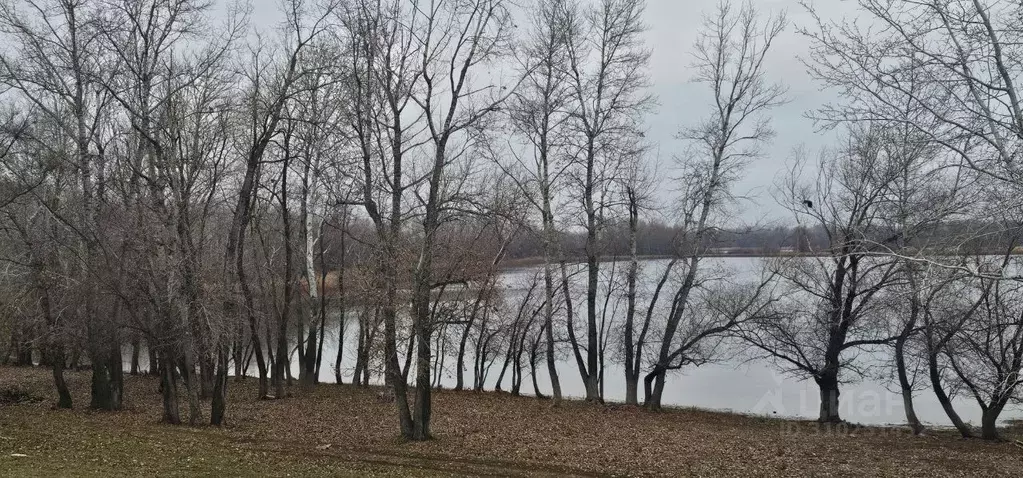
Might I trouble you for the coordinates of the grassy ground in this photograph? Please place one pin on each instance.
(334, 430)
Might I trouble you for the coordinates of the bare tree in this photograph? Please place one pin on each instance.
(460, 40)
(941, 73)
(987, 352)
(971, 330)
(174, 159)
(269, 88)
(30, 225)
(920, 196)
(539, 112)
(607, 71)
(382, 76)
(636, 184)
(832, 305)
(729, 58)
(55, 67)
(948, 60)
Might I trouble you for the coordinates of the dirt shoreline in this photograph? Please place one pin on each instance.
(331, 430)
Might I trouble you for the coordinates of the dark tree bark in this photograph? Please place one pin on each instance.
(989, 422)
(319, 345)
(634, 350)
(631, 359)
(63, 394)
(281, 373)
(464, 338)
(504, 368)
(361, 348)
(905, 386)
(107, 378)
(238, 353)
(169, 390)
(943, 398)
(827, 382)
(342, 309)
(219, 401)
(135, 345)
(56, 352)
(154, 361)
(54, 347)
(533, 357)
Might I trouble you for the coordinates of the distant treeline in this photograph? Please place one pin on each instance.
(657, 238)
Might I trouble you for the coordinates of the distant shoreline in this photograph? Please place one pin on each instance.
(538, 260)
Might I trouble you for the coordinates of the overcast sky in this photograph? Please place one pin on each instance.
(672, 28)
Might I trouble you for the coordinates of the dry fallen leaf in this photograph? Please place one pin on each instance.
(343, 431)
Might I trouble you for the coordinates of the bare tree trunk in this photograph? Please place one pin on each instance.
(63, 394)
(308, 374)
(53, 345)
(651, 401)
(905, 386)
(361, 348)
(257, 347)
(516, 377)
(943, 399)
(507, 360)
(438, 367)
(21, 345)
(239, 354)
(828, 384)
(464, 339)
(281, 367)
(192, 387)
(301, 339)
(631, 373)
(653, 387)
(342, 309)
(76, 356)
(135, 355)
(533, 356)
(410, 352)
(319, 344)
(154, 361)
(479, 358)
(552, 370)
(340, 348)
(570, 327)
(56, 351)
(169, 388)
(989, 422)
(423, 409)
(393, 373)
(219, 402)
(106, 379)
(460, 359)
(590, 372)
(207, 376)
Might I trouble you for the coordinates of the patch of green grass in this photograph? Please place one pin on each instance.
(52, 443)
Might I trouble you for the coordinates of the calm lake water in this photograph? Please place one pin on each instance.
(734, 383)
